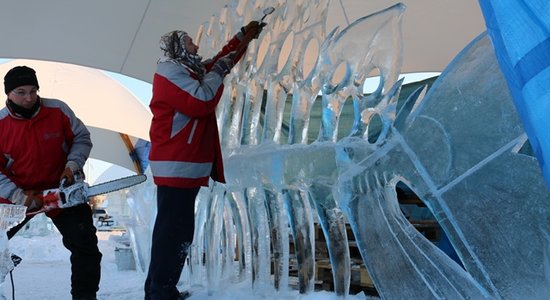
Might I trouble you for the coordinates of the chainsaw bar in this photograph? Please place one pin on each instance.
(115, 185)
(79, 192)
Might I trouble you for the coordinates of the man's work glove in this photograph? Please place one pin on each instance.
(252, 30)
(31, 199)
(248, 33)
(224, 64)
(68, 175)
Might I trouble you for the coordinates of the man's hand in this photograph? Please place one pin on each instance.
(252, 30)
(67, 177)
(31, 199)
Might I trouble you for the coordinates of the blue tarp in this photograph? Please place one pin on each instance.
(520, 32)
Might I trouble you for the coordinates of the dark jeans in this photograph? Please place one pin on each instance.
(79, 237)
(172, 235)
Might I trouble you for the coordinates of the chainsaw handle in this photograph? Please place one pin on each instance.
(51, 199)
(62, 189)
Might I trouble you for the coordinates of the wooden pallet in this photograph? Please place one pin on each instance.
(359, 276)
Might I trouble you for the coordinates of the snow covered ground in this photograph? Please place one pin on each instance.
(44, 273)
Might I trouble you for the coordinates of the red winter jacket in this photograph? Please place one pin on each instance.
(185, 144)
(33, 152)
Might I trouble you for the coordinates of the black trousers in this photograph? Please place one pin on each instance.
(79, 237)
(172, 236)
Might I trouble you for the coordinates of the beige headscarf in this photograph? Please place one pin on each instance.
(172, 43)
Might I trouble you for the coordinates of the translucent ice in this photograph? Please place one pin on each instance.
(459, 147)
(10, 216)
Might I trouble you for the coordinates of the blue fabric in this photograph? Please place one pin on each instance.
(141, 154)
(520, 32)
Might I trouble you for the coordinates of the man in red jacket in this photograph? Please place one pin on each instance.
(185, 147)
(42, 142)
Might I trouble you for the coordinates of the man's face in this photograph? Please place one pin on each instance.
(190, 47)
(24, 96)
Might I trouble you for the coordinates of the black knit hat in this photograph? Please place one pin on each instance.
(19, 76)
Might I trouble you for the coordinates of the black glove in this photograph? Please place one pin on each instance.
(252, 29)
(224, 64)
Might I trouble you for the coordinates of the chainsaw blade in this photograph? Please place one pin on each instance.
(115, 185)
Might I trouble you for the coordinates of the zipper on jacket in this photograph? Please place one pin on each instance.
(190, 139)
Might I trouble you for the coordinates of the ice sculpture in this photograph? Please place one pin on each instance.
(459, 148)
(142, 202)
(10, 216)
(486, 194)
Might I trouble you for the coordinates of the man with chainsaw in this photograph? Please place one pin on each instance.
(43, 144)
(185, 148)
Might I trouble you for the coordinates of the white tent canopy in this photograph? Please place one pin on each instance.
(122, 36)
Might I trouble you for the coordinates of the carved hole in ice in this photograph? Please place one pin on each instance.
(285, 51)
(421, 218)
(345, 121)
(526, 149)
(372, 81)
(374, 128)
(312, 50)
(338, 74)
(262, 50)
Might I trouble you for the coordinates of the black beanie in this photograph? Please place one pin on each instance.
(19, 76)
